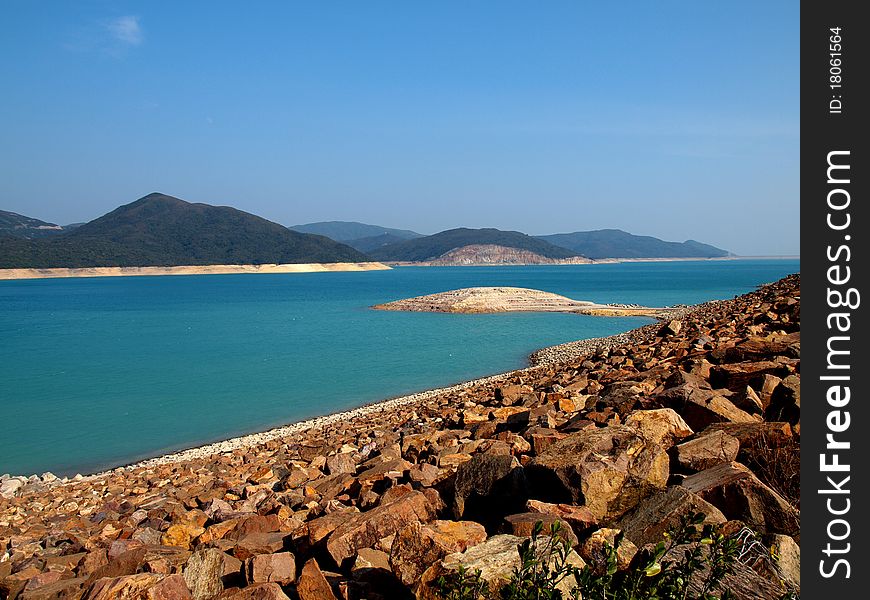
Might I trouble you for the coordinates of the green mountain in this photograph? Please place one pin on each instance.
(433, 246)
(15, 225)
(615, 243)
(159, 230)
(372, 243)
(347, 231)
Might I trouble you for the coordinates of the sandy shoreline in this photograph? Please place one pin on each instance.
(539, 359)
(190, 270)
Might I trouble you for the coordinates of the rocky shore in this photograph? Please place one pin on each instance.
(700, 413)
(190, 270)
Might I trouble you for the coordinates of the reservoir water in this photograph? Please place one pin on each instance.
(98, 372)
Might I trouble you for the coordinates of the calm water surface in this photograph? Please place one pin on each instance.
(104, 371)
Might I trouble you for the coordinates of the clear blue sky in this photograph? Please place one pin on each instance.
(673, 119)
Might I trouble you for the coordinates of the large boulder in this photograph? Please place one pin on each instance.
(739, 494)
(204, 573)
(609, 470)
(708, 450)
(652, 518)
(418, 546)
(661, 426)
(487, 488)
(312, 584)
(365, 529)
(495, 559)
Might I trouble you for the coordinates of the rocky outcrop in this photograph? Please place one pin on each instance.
(513, 299)
(630, 433)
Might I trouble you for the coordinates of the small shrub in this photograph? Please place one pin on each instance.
(689, 564)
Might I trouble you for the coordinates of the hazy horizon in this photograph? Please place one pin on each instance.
(676, 120)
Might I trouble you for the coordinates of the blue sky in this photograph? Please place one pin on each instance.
(673, 119)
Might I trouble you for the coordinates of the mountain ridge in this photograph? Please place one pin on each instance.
(161, 230)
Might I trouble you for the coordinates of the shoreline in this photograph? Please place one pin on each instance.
(590, 262)
(54, 273)
(538, 359)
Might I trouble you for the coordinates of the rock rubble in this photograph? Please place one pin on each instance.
(620, 434)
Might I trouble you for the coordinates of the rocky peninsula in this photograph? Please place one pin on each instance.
(190, 270)
(698, 414)
(513, 299)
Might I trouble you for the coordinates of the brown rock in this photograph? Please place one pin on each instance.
(523, 524)
(260, 591)
(495, 559)
(708, 450)
(736, 376)
(739, 494)
(365, 529)
(181, 535)
(64, 589)
(648, 523)
(488, 487)
(662, 426)
(312, 585)
(417, 546)
(579, 518)
(171, 587)
(773, 435)
(593, 550)
(343, 462)
(609, 470)
(204, 573)
(126, 586)
(259, 543)
(271, 568)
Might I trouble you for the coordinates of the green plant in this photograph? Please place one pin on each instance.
(689, 564)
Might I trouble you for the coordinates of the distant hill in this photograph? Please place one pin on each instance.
(369, 244)
(15, 225)
(433, 246)
(615, 243)
(159, 230)
(347, 231)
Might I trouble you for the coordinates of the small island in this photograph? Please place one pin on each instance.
(478, 300)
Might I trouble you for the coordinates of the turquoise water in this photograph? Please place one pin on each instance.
(104, 371)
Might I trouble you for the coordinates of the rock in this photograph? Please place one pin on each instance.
(703, 408)
(495, 559)
(523, 524)
(171, 587)
(417, 546)
(204, 573)
(785, 402)
(126, 586)
(65, 589)
(663, 426)
(369, 558)
(542, 438)
(365, 529)
(648, 523)
(772, 435)
(10, 487)
(488, 487)
(312, 585)
(739, 494)
(670, 328)
(592, 550)
(271, 568)
(708, 450)
(579, 518)
(609, 470)
(787, 557)
(343, 462)
(259, 543)
(260, 591)
(736, 376)
(181, 535)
